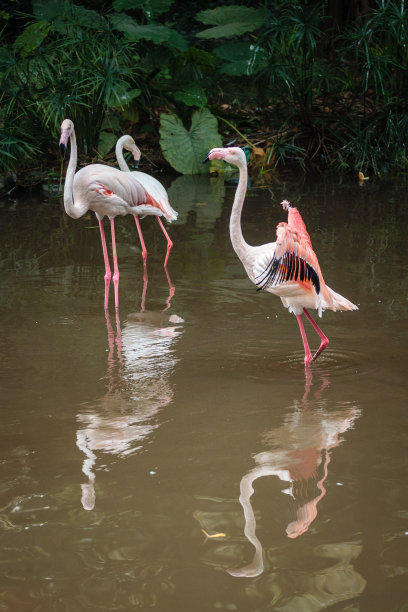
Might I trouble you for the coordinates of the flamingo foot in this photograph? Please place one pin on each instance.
(308, 359)
(324, 344)
(169, 247)
(169, 241)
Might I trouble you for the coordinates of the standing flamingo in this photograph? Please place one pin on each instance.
(105, 190)
(156, 194)
(288, 267)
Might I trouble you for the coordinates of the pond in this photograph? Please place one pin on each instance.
(177, 455)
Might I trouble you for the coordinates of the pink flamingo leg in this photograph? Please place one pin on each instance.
(139, 231)
(108, 273)
(324, 339)
(145, 282)
(169, 241)
(308, 354)
(115, 264)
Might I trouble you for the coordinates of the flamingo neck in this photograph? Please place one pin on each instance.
(119, 156)
(240, 246)
(73, 210)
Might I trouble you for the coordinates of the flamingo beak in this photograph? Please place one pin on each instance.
(63, 143)
(136, 155)
(206, 159)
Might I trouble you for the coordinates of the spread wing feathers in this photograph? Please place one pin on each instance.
(296, 222)
(293, 260)
(156, 195)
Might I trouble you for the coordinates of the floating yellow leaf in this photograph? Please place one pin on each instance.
(213, 535)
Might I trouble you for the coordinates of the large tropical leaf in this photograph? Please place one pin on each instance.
(243, 58)
(156, 32)
(32, 37)
(106, 142)
(151, 8)
(192, 95)
(186, 149)
(231, 21)
(60, 12)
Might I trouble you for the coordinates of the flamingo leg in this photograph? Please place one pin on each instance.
(139, 231)
(169, 241)
(108, 273)
(308, 354)
(145, 282)
(324, 339)
(115, 264)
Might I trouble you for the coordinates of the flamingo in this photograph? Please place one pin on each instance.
(156, 194)
(288, 267)
(107, 192)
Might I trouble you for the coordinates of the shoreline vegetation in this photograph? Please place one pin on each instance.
(315, 86)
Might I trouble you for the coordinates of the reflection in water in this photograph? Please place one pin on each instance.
(199, 194)
(140, 363)
(298, 453)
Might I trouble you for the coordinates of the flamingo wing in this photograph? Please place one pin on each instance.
(292, 261)
(110, 192)
(156, 195)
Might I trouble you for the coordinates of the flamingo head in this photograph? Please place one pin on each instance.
(129, 144)
(67, 127)
(231, 155)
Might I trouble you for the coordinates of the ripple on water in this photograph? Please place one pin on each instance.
(335, 362)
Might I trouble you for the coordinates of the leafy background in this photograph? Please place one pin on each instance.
(320, 85)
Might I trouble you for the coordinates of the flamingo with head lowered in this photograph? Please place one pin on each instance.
(288, 267)
(107, 192)
(156, 194)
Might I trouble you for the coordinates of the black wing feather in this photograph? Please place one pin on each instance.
(289, 267)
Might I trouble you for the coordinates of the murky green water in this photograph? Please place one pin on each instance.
(124, 438)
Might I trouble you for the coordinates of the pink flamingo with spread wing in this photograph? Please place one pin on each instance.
(156, 194)
(107, 192)
(288, 267)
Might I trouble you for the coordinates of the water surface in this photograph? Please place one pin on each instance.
(126, 436)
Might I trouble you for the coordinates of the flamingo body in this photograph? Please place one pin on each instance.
(107, 192)
(156, 195)
(288, 267)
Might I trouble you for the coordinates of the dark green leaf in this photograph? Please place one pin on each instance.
(192, 95)
(230, 21)
(32, 37)
(244, 58)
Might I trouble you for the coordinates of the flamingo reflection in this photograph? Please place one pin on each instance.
(299, 454)
(140, 362)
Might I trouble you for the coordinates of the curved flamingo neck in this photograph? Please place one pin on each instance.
(73, 210)
(240, 246)
(119, 156)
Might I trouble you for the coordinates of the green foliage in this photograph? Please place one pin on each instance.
(230, 21)
(151, 8)
(241, 58)
(186, 149)
(320, 96)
